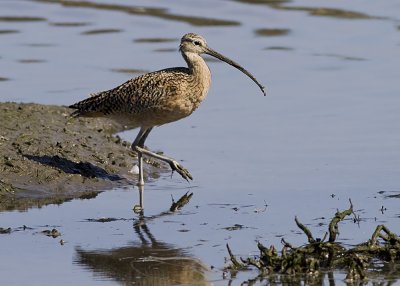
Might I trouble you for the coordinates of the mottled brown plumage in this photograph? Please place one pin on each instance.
(158, 98)
(148, 100)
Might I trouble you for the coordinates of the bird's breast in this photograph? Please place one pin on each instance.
(198, 90)
(176, 96)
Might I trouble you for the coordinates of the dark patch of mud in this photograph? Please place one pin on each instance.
(21, 19)
(48, 157)
(279, 48)
(166, 50)
(160, 13)
(39, 45)
(272, 32)
(9, 31)
(328, 12)
(69, 24)
(313, 11)
(31, 61)
(155, 40)
(129, 71)
(101, 31)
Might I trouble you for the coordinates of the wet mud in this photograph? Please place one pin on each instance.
(48, 157)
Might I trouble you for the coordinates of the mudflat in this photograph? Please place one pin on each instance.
(46, 156)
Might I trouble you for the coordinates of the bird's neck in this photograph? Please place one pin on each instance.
(197, 66)
(200, 79)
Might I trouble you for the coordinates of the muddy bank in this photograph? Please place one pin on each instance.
(48, 157)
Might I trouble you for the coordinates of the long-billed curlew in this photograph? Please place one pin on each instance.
(158, 98)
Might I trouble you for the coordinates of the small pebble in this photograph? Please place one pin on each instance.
(134, 170)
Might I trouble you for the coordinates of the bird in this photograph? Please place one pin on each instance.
(160, 97)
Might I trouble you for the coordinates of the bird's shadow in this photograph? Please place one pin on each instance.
(84, 169)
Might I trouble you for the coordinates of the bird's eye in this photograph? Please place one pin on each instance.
(197, 43)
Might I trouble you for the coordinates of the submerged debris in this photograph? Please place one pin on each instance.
(5, 230)
(322, 254)
(106, 219)
(51, 233)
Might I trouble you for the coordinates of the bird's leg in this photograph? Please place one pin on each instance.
(140, 165)
(138, 145)
(139, 141)
(141, 137)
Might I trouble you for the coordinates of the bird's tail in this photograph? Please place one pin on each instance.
(92, 106)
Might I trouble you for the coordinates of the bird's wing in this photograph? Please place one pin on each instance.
(132, 96)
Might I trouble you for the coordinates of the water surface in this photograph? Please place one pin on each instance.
(327, 131)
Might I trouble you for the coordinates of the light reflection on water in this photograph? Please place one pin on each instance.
(328, 126)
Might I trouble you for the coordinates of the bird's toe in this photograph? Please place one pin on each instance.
(175, 166)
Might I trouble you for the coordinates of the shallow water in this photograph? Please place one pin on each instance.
(327, 131)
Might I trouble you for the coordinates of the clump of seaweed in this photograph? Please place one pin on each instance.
(320, 255)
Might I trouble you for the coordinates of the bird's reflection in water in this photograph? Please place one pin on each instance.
(175, 206)
(146, 261)
(139, 209)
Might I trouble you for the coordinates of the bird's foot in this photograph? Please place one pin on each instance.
(175, 166)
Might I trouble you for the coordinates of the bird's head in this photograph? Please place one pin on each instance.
(193, 43)
(196, 44)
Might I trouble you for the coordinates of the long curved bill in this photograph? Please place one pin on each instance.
(217, 55)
